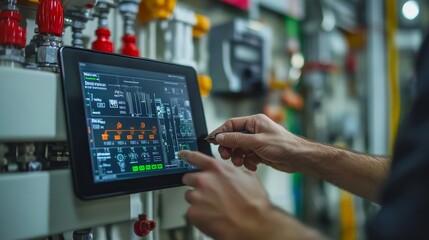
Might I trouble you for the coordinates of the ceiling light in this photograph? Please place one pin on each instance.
(410, 9)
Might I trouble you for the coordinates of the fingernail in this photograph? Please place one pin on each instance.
(220, 137)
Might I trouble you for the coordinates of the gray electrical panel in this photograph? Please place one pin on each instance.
(239, 57)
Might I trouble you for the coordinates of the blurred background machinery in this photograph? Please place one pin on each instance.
(240, 57)
(329, 70)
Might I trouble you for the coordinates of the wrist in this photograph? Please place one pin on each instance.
(277, 224)
(265, 221)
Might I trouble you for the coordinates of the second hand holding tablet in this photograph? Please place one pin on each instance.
(213, 137)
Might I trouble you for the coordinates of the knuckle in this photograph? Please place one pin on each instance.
(189, 196)
(260, 115)
(201, 181)
(191, 214)
(229, 124)
(185, 178)
(215, 166)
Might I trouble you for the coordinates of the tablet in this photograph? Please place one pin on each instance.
(127, 119)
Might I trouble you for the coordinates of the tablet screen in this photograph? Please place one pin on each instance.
(137, 121)
(127, 119)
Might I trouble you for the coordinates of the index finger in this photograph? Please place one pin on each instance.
(236, 124)
(198, 159)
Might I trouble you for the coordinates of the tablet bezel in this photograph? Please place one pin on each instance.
(83, 181)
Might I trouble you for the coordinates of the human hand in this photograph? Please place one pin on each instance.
(231, 203)
(270, 144)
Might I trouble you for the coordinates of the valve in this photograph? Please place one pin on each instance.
(83, 234)
(50, 17)
(77, 16)
(130, 47)
(27, 160)
(142, 227)
(292, 99)
(205, 84)
(12, 35)
(4, 149)
(201, 27)
(155, 9)
(128, 10)
(103, 43)
(50, 21)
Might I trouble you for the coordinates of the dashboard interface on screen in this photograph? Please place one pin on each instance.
(137, 122)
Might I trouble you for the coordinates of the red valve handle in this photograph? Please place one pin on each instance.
(130, 48)
(143, 227)
(10, 30)
(50, 17)
(103, 43)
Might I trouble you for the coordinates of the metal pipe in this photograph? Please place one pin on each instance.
(377, 80)
(148, 208)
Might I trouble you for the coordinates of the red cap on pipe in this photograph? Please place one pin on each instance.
(142, 227)
(129, 48)
(103, 43)
(50, 17)
(10, 30)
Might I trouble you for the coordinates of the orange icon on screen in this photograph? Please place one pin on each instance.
(151, 136)
(104, 137)
(117, 137)
(119, 125)
(142, 125)
(129, 137)
(141, 137)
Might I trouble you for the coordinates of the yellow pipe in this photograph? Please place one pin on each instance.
(347, 216)
(393, 70)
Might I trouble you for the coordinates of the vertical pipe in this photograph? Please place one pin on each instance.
(148, 208)
(152, 39)
(254, 13)
(392, 66)
(377, 79)
(149, 196)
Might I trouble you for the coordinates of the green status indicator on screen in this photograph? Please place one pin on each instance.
(142, 168)
(135, 168)
(148, 167)
(160, 166)
(153, 166)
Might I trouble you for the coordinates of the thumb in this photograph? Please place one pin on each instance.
(236, 140)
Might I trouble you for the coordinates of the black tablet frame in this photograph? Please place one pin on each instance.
(83, 181)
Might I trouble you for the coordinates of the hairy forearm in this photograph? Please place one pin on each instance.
(275, 224)
(358, 173)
